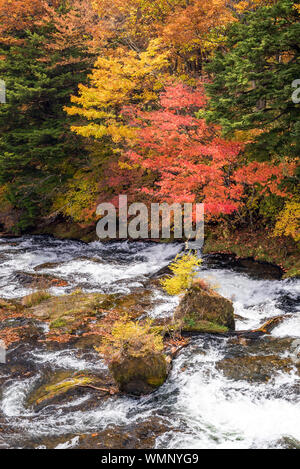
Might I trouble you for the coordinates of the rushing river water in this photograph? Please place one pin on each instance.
(199, 406)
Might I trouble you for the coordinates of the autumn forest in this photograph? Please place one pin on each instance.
(165, 100)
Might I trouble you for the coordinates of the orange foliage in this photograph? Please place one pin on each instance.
(76, 28)
(17, 16)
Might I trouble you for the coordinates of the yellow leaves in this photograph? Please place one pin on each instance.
(297, 7)
(79, 200)
(153, 56)
(288, 222)
(119, 133)
(199, 27)
(251, 4)
(242, 6)
(246, 136)
(190, 30)
(184, 270)
(116, 81)
(5, 205)
(124, 165)
(116, 131)
(130, 339)
(134, 20)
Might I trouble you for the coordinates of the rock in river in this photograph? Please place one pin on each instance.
(254, 369)
(54, 388)
(204, 310)
(139, 376)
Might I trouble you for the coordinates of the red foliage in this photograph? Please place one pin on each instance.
(189, 159)
(267, 175)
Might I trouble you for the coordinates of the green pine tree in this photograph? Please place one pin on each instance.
(38, 152)
(252, 80)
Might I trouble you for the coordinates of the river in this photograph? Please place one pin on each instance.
(200, 405)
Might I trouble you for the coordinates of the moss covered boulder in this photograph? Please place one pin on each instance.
(134, 353)
(204, 310)
(139, 376)
(257, 369)
(68, 307)
(61, 386)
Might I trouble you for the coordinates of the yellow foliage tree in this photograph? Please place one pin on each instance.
(123, 78)
(154, 38)
(288, 222)
(184, 271)
(79, 199)
(129, 339)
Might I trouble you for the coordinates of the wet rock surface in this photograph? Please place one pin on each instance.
(255, 269)
(36, 281)
(260, 360)
(141, 435)
(254, 369)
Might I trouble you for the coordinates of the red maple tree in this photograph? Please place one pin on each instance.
(189, 160)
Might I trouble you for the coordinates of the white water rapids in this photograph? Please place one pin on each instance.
(198, 407)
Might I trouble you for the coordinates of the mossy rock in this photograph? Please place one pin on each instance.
(69, 307)
(288, 443)
(205, 311)
(203, 327)
(135, 304)
(58, 323)
(254, 368)
(52, 388)
(8, 304)
(11, 306)
(70, 314)
(140, 376)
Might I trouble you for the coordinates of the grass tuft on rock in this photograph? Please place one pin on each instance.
(35, 298)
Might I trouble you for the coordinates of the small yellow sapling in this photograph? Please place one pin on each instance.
(184, 269)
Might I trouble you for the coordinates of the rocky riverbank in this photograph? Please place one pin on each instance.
(244, 244)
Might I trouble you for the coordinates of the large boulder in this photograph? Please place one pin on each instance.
(59, 387)
(204, 310)
(142, 375)
(258, 369)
